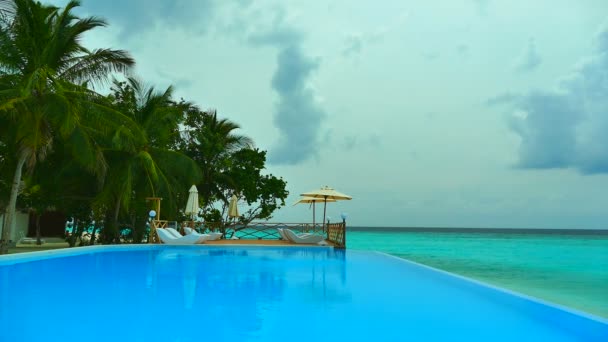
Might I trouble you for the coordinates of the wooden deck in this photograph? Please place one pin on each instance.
(263, 243)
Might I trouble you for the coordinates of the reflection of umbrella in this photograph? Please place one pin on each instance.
(312, 201)
(233, 209)
(326, 193)
(192, 205)
(184, 260)
(189, 281)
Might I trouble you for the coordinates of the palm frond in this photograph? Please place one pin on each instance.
(7, 8)
(97, 65)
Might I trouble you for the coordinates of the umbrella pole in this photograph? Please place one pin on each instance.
(324, 211)
(313, 216)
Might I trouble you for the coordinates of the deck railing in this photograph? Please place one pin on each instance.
(253, 230)
(152, 236)
(334, 232)
(268, 230)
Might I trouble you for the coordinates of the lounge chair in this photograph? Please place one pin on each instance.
(212, 236)
(169, 239)
(281, 234)
(208, 237)
(173, 232)
(302, 238)
(283, 237)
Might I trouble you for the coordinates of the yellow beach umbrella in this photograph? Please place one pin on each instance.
(312, 201)
(326, 193)
(233, 209)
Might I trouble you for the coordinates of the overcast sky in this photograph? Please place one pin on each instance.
(457, 113)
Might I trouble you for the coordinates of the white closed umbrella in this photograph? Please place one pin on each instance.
(192, 205)
(326, 193)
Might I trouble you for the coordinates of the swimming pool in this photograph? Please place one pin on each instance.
(208, 293)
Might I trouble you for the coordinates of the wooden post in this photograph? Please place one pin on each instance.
(156, 205)
(344, 232)
(152, 235)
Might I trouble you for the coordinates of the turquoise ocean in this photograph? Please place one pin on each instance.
(569, 268)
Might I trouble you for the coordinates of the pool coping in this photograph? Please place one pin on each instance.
(10, 259)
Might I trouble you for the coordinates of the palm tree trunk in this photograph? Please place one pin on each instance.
(115, 218)
(139, 228)
(74, 236)
(94, 235)
(98, 228)
(11, 209)
(38, 240)
(108, 226)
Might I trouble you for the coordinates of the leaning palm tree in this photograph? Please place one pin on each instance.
(44, 73)
(210, 141)
(144, 164)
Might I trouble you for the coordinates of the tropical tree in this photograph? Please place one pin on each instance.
(58, 183)
(39, 193)
(263, 193)
(144, 164)
(210, 141)
(44, 73)
(230, 165)
(5, 171)
(74, 190)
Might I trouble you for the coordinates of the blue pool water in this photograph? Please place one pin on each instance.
(163, 293)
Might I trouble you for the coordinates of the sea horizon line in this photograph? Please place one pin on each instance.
(574, 231)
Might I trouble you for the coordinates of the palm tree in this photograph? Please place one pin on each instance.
(144, 165)
(44, 73)
(210, 141)
(5, 171)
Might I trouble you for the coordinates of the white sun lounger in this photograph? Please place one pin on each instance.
(173, 232)
(282, 234)
(283, 237)
(212, 236)
(169, 239)
(208, 237)
(293, 237)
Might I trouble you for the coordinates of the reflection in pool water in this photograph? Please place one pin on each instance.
(264, 294)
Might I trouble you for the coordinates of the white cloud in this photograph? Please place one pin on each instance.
(279, 71)
(565, 128)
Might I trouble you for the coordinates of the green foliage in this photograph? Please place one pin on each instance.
(209, 141)
(44, 70)
(6, 171)
(263, 193)
(38, 194)
(98, 157)
(143, 165)
(230, 165)
(212, 215)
